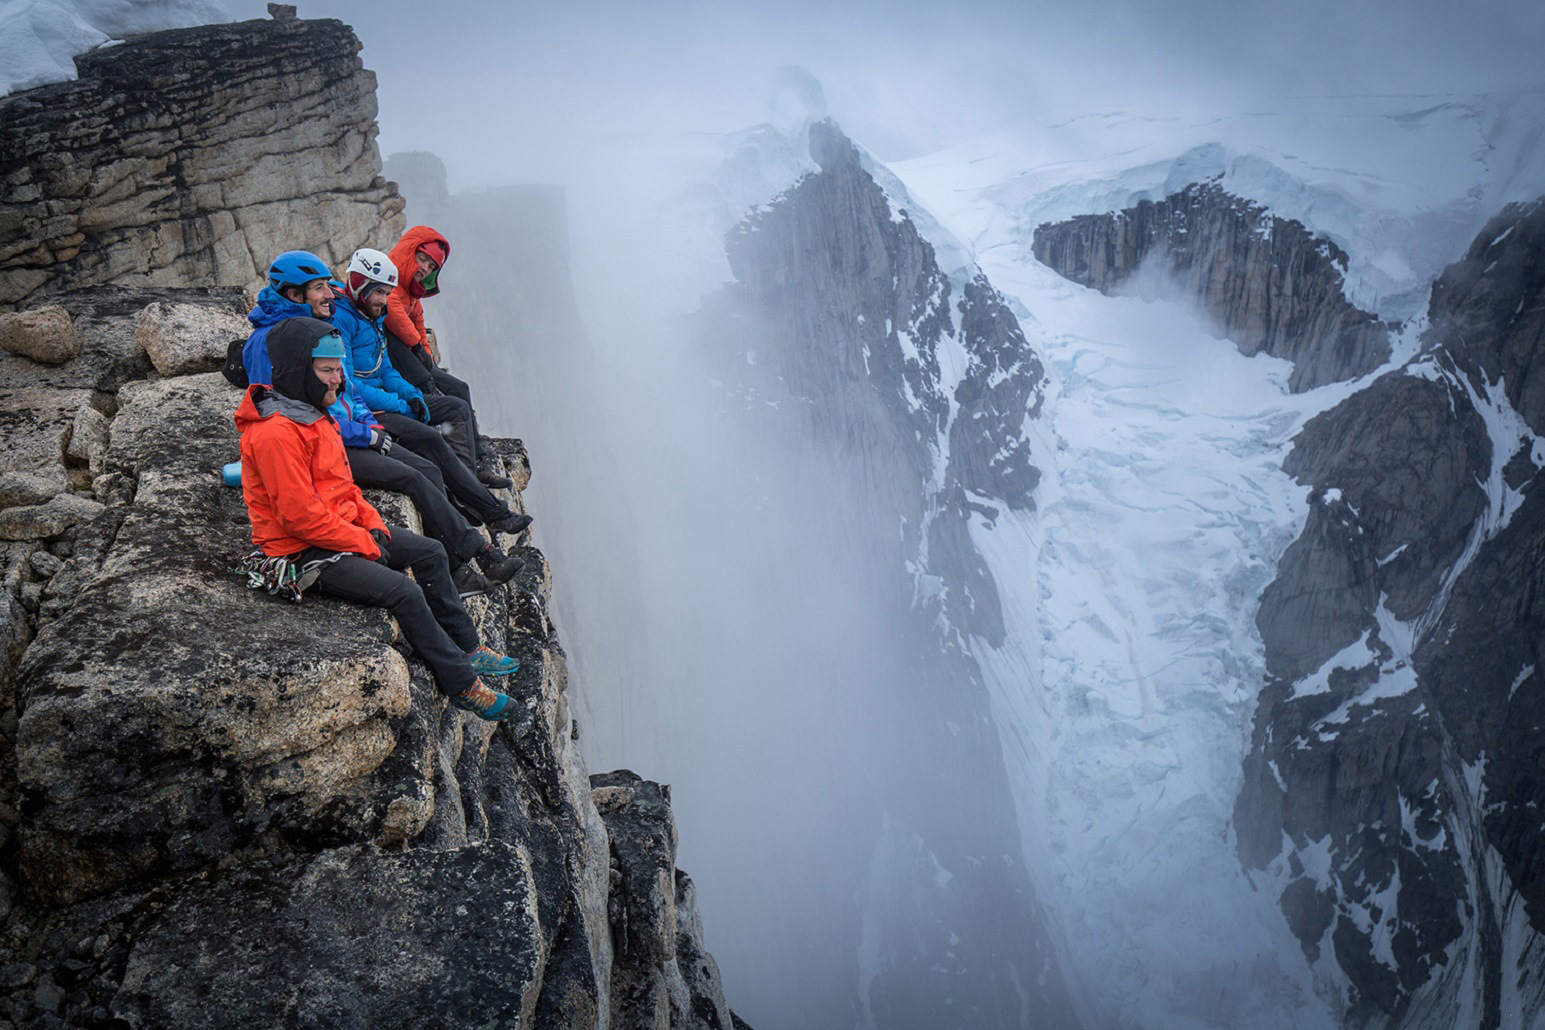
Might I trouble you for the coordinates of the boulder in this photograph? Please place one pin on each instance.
(42, 334)
(170, 713)
(88, 436)
(354, 938)
(185, 338)
(15, 633)
(35, 423)
(45, 521)
(27, 488)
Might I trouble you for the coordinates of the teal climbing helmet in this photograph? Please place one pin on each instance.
(328, 345)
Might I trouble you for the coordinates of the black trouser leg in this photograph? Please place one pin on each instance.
(407, 364)
(404, 472)
(453, 387)
(426, 442)
(456, 412)
(430, 613)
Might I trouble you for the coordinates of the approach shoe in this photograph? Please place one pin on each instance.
(470, 582)
(510, 523)
(491, 479)
(484, 702)
(488, 662)
(498, 566)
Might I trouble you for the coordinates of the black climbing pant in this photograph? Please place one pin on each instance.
(419, 479)
(433, 621)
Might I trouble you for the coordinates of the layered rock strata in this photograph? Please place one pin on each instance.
(221, 809)
(192, 156)
(1270, 284)
(1392, 794)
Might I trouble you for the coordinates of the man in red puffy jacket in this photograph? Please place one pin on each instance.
(419, 257)
(305, 508)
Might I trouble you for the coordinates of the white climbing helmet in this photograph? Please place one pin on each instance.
(367, 270)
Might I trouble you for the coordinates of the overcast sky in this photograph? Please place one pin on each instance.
(500, 91)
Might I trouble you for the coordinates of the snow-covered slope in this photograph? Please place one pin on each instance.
(1125, 690)
(1400, 182)
(39, 39)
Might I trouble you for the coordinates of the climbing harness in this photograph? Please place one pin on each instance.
(282, 577)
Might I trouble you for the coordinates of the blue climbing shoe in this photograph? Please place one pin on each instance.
(484, 703)
(487, 662)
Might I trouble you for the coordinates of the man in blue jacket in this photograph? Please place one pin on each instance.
(300, 286)
(359, 310)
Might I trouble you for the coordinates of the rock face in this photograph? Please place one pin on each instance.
(263, 812)
(172, 160)
(1393, 789)
(217, 808)
(1270, 285)
(841, 327)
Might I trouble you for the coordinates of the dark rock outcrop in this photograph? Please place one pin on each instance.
(264, 811)
(1270, 285)
(867, 348)
(216, 808)
(1392, 792)
(192, 156)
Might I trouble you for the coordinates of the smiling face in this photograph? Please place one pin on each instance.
(317, 294)
(330, 372)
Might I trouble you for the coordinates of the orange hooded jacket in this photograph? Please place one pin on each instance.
(295, 479)
(405, 308)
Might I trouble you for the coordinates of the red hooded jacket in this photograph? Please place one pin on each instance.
(405, 309)
(296, 481)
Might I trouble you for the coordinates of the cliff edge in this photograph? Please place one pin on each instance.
(216, 808)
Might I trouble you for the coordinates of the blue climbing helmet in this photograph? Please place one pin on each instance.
(296, 268)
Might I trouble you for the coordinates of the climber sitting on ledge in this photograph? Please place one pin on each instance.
(306, 510)
(299, 286)
(418, 257)
(359, 307)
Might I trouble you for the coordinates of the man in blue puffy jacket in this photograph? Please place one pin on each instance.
(359, 309)
(301, 286)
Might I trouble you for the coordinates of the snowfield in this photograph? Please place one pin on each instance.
(1125, 693)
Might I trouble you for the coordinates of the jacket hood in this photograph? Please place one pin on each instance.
(272, 309)
(289, 352)
(262, 402)
(433, 242)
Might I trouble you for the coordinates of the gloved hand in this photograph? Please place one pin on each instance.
(422, 353)
(419, 408)
(380, 536)
(379, 441)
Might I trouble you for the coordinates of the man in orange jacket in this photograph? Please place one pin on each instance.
(419, 258)
(305, 508)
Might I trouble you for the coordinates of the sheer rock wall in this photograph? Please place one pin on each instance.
(1270, 285)
(192, 157)
(1392, 794)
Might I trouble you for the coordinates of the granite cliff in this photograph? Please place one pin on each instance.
(192, 157)
(842, 330)
(1392, 793)
(219, 809)
(1269, 284)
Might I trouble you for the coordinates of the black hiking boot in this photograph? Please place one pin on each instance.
(469, 581)
(509, 523)
(498, 566)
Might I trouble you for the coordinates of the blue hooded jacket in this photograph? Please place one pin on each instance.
(353, 417)
(382, 386)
